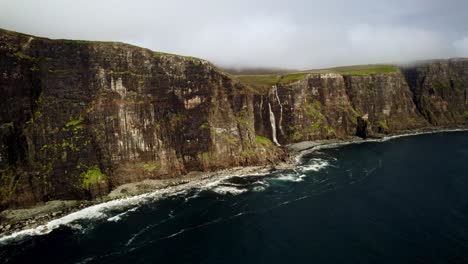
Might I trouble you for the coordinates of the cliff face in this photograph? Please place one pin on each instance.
(440, 90)
(79, 118)
(386, 101)
(331, 105)
(315, 107)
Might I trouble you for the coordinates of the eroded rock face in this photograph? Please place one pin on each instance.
(79, 118)
(385, 101)
(315, 107)
(330, 105)
(440, 90)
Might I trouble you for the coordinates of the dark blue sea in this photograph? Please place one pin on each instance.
(404, 200)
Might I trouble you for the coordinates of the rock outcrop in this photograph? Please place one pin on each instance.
(79, 118)
(440, 90)
(331, 105)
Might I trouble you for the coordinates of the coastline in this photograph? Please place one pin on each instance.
(42, 219)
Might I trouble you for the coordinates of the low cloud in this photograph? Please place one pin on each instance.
(299, 34)
(461, 47)
(395, 44)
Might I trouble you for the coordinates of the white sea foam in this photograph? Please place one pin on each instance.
(229, 190)
(422, 133)
(316, 165)
(95, 212)
(259, 189)
(301, 154)
(120, 216)
(291, 177)
(101, 211)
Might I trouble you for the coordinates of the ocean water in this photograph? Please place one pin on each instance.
(400, 201)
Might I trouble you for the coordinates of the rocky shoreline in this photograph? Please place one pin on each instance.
(15, 220)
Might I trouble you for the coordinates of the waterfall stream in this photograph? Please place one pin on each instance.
(273, 125)
(280, 120)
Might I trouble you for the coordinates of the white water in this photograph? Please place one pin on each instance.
(317, 165)
(291, 177)
(384, 139)
(101, 211)
(273, 125)
(280, 121)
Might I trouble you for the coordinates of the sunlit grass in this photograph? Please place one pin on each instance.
(261, 83)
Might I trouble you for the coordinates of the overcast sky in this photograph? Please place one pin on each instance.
(299, 34)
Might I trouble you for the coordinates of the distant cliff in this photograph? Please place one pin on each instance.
(79, 118)
(337, 105)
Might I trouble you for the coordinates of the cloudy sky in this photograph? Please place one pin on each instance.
(298, 34)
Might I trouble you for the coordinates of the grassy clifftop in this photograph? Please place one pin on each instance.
(262, 82)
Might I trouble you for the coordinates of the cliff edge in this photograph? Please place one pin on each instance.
(79, 118)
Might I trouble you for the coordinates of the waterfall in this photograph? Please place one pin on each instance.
(273, 125)
(280, 120)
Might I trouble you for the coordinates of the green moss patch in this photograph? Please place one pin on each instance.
(263, 141)
(92, 176)
(150, 166)
(383, 124)
(58, 71)
(75, 122)
(22, 56)
(130, 74)
(314, 112)
(7, 184)
(8, 124)
(296, 136)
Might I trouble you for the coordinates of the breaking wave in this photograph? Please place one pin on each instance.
(291, 177)
(315, 165)
(228, 185)
(116, 210)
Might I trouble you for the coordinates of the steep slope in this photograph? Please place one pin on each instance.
(360, 100)
(79, 118)
(440, 90)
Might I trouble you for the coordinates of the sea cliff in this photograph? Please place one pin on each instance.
(80, 118)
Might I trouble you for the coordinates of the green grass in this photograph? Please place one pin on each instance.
(77, 41)
(360, 70)
(129, 73)
(465, 115)
(263, 82)
(292, 78)
(260, 83)
(22, 56)
(150, 166)
(296, 136)
(92, 176)
(263, 141)
(383, 124)
(159, 54)
(9, 124)
(75, 122)
(85, 42)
